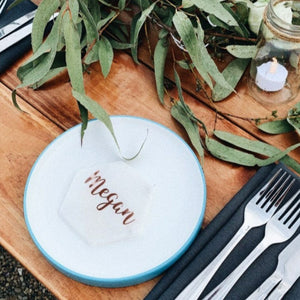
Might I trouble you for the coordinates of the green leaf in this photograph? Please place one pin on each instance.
(216, 8)
(278, 156)
(39, 64)
(104, 21)
(44, 12)
(240, 28)
(256, 147)
(229, 154)
(74, 65)
(14, 3)
(276, 127)
(108, 4)
(215, 22)
(183, 114)
(239, 157)
(51, 74)
(136, 29)
(197, 50)
(242, 51)
(232, 73)
(180, 114)
(122, 4)
(84, 116)
(93, 55)
(73, 54)
(94, 8)
(160, 55)
(120, 46)
(74, 9)
(89, 24)
(106, 55)
(187, 33)
(96, 110)
(184, 64)
(294, 117)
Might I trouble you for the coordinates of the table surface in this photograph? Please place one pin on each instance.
(128, 90)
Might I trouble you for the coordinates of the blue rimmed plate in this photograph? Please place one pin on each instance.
(177, 208)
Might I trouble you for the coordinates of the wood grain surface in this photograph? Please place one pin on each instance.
(128, 90)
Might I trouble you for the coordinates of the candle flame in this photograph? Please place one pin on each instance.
(273, 66)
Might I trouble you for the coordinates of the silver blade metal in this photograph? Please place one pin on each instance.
(18, 35)
(289, 261)
(286, 273)
(15, 37)
(5, 30)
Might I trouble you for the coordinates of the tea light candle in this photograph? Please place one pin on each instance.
(271, 76)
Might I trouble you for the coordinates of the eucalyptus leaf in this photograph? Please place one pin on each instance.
(39, 64)
(89, 24)
(74, 9)
(137, 27)
(74, 65)
(179, 113)
(108, 4)
(216, 8)
(105, 20)
(256, 147)
(93, 55)
(96, 110)
(232, 74)
(44, 12)
(240, 28)
(120, 46)
(122, 4)
(242, 51)
(94, 8)
(50, 75)
(184, 64)
(294, 117)
(106, 55)
(215, 22)
(117, 32)
(160, 55)
(73, 54)
(187, 33)
(14, 3)
(197, 50)
(239, 157)
(276, 127)
(229, 154)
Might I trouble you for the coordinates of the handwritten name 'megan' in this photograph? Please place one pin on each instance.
(110, 199)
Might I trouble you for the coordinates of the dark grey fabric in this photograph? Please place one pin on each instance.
(10, 55)
(213, 238)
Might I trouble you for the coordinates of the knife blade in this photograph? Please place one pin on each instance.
(291, 271)
(18, 35)
(285, 275)
(5, 30)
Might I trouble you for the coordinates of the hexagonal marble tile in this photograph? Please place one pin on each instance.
(107, 203)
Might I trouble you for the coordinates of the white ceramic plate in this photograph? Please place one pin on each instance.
(177, 208)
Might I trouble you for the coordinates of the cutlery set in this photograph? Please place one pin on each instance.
(2, 5)
(281, 218)
(16, 30)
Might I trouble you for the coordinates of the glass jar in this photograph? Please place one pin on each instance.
(275, 69)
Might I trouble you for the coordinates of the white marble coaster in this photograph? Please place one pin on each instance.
(107, 203)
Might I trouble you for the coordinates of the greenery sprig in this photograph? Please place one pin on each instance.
(88, 31)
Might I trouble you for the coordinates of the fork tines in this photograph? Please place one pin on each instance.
(291, 211)
(2, 5)
(272, 193)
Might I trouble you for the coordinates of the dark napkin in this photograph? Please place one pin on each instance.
(10, 55)
(215, 236)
